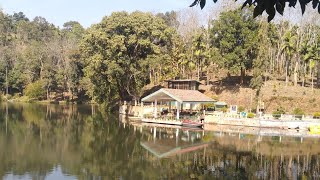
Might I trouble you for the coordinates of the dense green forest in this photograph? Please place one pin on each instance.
(114, 59)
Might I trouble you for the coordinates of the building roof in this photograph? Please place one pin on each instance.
(178, 95)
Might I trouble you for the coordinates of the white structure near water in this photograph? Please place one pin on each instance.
(177, 101)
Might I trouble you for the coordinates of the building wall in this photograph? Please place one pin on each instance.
(187, 85)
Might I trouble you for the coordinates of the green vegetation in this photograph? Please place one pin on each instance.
(316, 115)
(115, 59)
(225, 109)
(34, 51)
(210, 106)
(235, 34)
(277, 114)
(138, 42)
(241, 109)
(251, 115)
(35, 90)
(298, 113)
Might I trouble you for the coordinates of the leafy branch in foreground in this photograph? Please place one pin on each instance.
(270, 6)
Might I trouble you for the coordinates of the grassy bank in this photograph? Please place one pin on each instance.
(274, 94)
(26, 99)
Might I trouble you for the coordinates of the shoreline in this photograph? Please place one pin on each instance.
(265, 123)
(294, 126)
(236, 130)
(30, 101)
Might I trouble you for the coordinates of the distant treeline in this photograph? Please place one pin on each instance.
(115, 59)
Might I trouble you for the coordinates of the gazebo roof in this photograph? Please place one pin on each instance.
(178, 95)
(166, 148)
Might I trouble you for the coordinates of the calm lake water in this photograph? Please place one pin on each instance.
(79, 142)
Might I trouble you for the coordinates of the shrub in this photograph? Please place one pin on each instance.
(277, 114)
(225, 109)
(312, 100)
(7, 97)
(284, 98)
(209, 106)
(316, 115)
(35, 90)
(298, 113)
(16, 96)
(215, 97)
(24, 99)
(251, 115)
(241, 109)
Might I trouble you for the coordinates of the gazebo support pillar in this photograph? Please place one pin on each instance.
(142, 110)
(155, 109)
(178, 105)
(177, 137)
(155, 133)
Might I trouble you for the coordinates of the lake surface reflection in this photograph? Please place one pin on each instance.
(79, 142)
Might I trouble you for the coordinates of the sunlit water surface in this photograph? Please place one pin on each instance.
(80, 142)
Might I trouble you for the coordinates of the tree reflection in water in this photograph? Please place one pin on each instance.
(87, 144)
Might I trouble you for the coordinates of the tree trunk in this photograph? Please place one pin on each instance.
(265, 78)
(287, 79)
(71, 93)
(155, 76)
(198, 67)
(312, 80)
(48, 97)
(208, 79)
(120, 89)
(295, 75)
(278, 60)
(304, 74)
(7, 83)
(318, 75)
(150, 77)
(183, 72)
(243, 74)
(160, 74)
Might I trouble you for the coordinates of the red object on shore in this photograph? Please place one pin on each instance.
(190, 123)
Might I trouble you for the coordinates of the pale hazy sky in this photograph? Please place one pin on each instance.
(86, 12)
(89, 12)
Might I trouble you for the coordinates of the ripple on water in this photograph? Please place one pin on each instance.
(11, 176)
(55, 174)
(58, 174)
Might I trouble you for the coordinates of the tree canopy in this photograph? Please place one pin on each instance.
(119, 52)
(128, 53)
(235, 35)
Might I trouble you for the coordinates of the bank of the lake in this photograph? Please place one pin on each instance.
(26, 99)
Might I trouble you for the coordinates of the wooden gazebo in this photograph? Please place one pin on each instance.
(179, 97)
